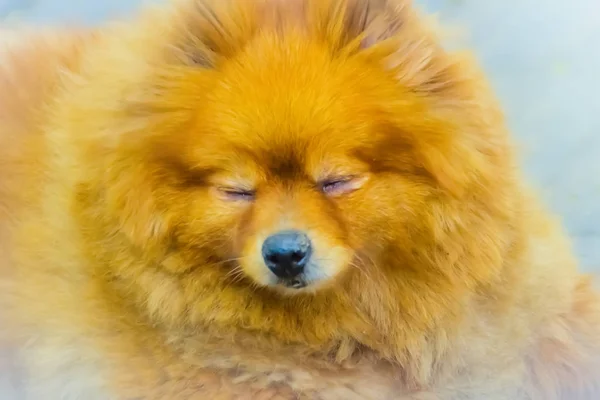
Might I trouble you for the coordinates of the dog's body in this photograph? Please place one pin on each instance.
(101, 307)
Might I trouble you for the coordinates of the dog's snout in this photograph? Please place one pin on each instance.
(287, 253)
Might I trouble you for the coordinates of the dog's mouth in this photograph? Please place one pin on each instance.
(296, 283)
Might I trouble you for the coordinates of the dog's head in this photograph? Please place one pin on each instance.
(307, 146)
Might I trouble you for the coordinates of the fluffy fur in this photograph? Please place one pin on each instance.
(133, 273)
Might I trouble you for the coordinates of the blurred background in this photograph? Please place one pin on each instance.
(543, 57)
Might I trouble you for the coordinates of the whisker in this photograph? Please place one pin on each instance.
(228, 260)
(237, 270)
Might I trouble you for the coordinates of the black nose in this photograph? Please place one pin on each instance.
(287, 253)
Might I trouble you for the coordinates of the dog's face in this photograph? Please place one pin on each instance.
(287, 150)
(297, 160)
(300, 167)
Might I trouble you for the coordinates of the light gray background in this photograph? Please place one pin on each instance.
(543, 57)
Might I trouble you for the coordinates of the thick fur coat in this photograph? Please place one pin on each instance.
(142, 164)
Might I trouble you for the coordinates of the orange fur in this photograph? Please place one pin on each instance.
(132, 274)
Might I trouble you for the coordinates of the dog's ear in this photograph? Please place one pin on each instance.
(352, 25)
(211, 30)
(390, 32)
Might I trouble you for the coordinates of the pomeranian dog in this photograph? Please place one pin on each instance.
(276, 199)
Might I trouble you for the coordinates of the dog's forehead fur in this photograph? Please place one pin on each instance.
(263, 97)
(277, 107)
